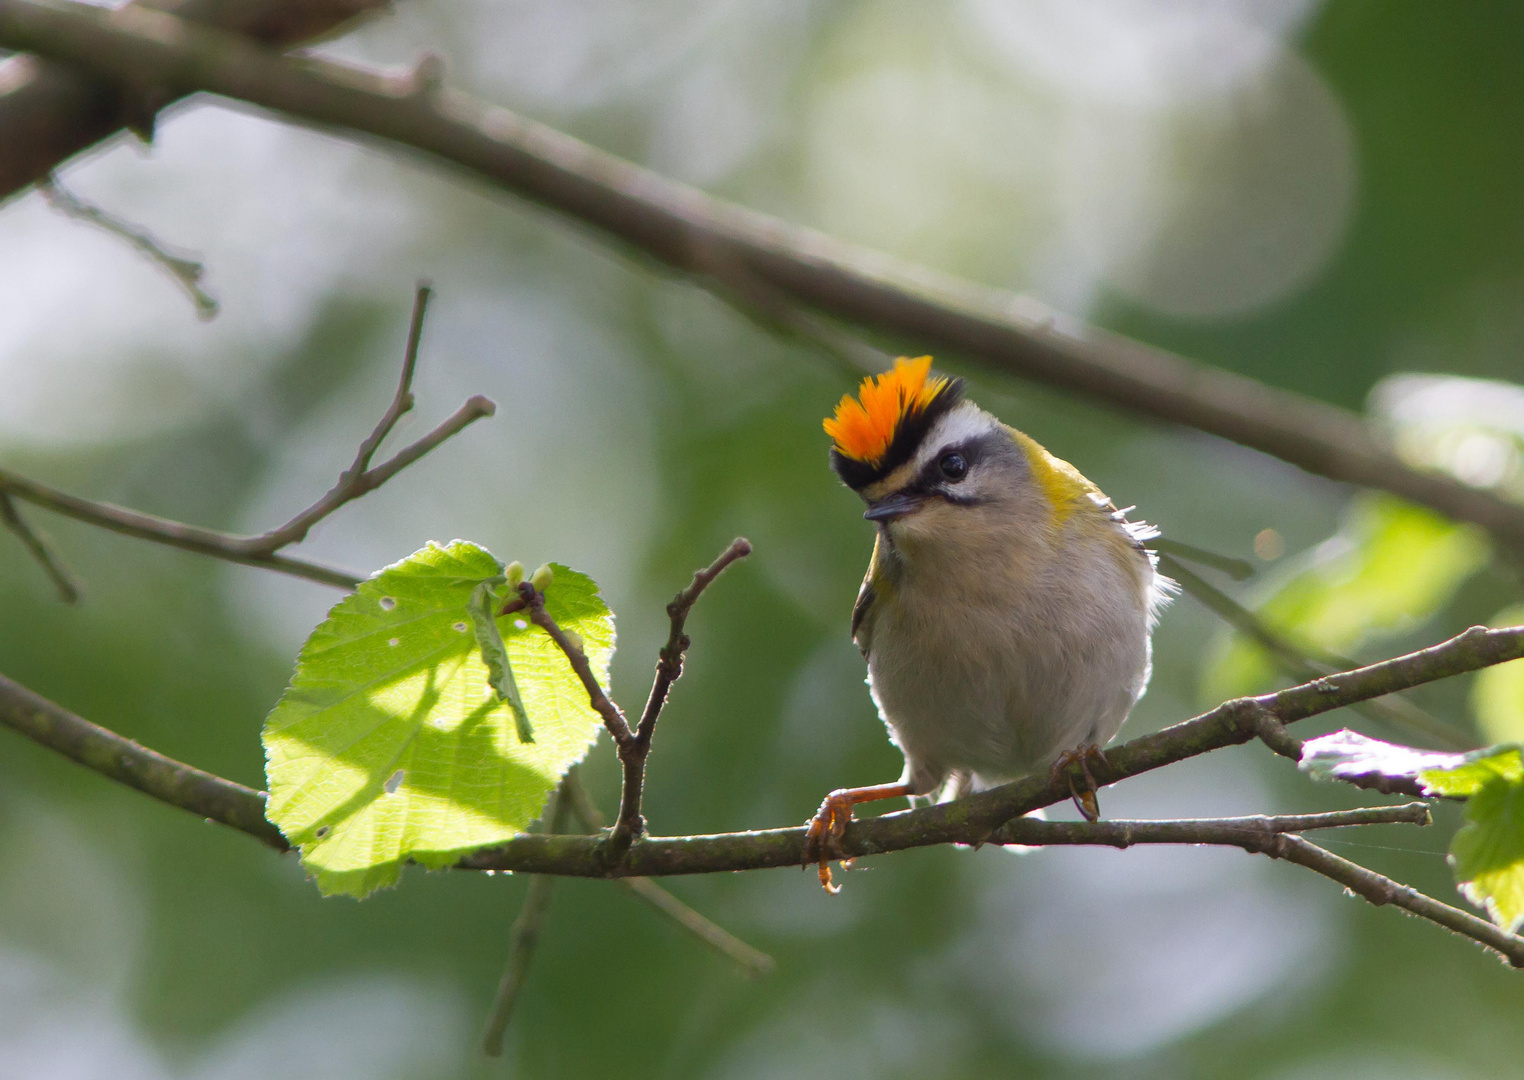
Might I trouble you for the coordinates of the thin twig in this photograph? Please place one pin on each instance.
(219, 545)
(1253, 829)
(613, 717)
(187, 272)
(631, 824)
(263, 550)
(1237, 569)
(1394, 712)
(523, 939)
(677, 224)
(751, 960)
(41, 549)
(360, 478)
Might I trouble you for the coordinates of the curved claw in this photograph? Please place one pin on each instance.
(822, 840)
(1085, 800)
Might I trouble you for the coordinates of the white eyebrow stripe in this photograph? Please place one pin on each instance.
(965, 422)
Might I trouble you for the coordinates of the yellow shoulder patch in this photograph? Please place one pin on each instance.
(1065, 486)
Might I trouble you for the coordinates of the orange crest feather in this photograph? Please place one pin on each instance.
(864, 426)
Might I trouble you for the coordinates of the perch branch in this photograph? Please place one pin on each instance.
(669, 668)
(685, 228)
(126, 762)
(976, 819)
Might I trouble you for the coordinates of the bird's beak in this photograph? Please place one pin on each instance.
(894, 507)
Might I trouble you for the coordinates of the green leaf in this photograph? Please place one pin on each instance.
(1390, 567)
(484, 608)
(1487, 853)
(1348, 755)
(391, 744)
(1497, 692)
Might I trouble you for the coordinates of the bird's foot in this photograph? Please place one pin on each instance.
(822, 839)
(1084, 797)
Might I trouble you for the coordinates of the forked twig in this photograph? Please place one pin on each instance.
(41, 549)
(186, 271)
(360, 478)
(264, 550)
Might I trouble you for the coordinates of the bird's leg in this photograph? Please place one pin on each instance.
(822, 842)
(1085, 800)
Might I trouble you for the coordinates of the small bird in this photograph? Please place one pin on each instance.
(1007, 610)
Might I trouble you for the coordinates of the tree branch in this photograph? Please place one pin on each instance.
(753, 961)
(220, 545)
(41, 549)
(187, 272)
(685, 228)
(263, 550)
(524, 936)
(669, 668)
(49, 112)
(360, 479)
(126, 762)
(1394, 712)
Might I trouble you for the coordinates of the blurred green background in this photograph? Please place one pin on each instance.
(1319, 195)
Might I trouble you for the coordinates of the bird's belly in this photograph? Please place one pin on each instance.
(1003, 704)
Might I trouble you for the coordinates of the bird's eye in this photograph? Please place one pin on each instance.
(954, 467)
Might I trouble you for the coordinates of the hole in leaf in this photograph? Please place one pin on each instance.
(460, 628)
(520, 624)
(394, 642)
(387, 603)
(394, 781)
(322, 831)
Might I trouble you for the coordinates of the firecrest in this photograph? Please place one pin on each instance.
(1007, 610)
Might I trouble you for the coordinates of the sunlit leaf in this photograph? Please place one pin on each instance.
(1487, 853)
(391, 743)
(1497, 694)
(1389, 568)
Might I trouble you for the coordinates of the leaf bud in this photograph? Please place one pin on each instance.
(573, 639)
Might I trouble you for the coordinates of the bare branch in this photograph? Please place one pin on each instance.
(1394, 712)
(669, 668)
(995, 814)
(613, 717)
(524, 937)
(187, 272)
(263, 550)
(683, 227)
(753, 961)
(41, 549)
(126, 762)
(220, 545)
(1237, 569)
(49, 113)
(360, 479)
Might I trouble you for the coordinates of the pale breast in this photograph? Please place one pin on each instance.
(997, 669)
